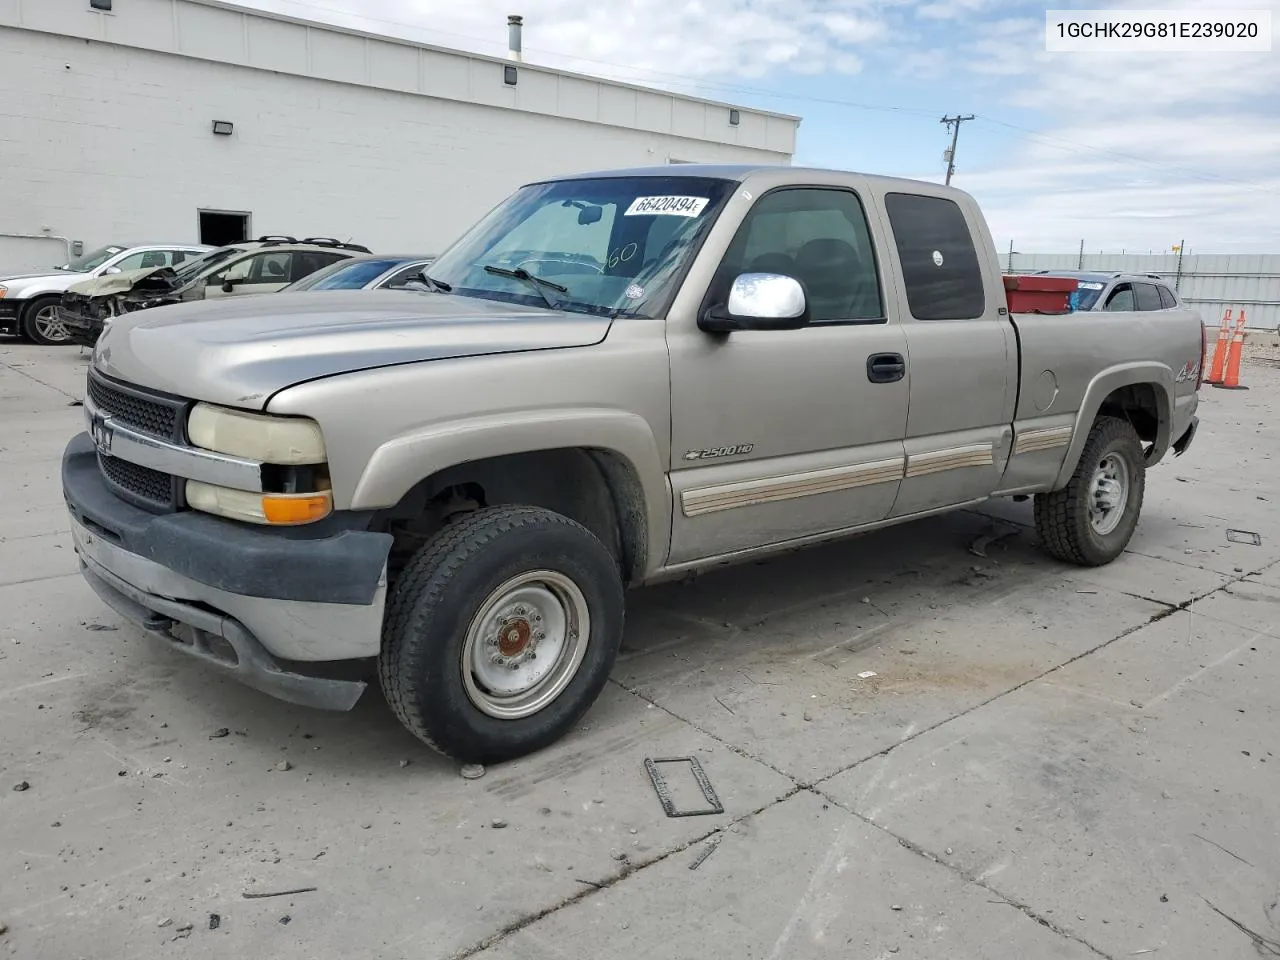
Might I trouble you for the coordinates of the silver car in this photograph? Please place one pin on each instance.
(29, 302)
(1118, 292)
(367, 273)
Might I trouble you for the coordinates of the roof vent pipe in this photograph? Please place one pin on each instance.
(515, 25)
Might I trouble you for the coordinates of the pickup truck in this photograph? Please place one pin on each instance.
(613, 379)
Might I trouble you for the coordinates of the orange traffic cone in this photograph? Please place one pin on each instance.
(1232, 379)
(1220, 351)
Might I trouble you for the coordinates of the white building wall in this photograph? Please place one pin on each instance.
(106, 128)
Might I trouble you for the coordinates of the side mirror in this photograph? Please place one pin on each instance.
(228, 286)
(113, 270)
(759, 301)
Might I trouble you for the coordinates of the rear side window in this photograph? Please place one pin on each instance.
(1167, 299)
(1148, 296)
(939, 261)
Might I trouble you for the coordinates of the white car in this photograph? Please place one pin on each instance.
(29, 302)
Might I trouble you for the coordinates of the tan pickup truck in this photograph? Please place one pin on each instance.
(616, 378)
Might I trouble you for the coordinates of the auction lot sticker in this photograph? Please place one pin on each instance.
(666, 206)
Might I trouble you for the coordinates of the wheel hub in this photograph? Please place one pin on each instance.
(1108, 494)
(525, 644)
(514, 637)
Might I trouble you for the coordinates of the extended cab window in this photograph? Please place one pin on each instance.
(820, 237)
(1167, 299)
(1148, 296)
(939, 260)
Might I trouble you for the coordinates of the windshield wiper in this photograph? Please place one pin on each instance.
(520, 273)
(436, 286)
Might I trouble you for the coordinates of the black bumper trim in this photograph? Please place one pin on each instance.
(333, 561)
(11, 315)
(1183, 442)
(195, 632)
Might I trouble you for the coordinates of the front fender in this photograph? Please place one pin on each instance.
(1101, 387)
(401, 463)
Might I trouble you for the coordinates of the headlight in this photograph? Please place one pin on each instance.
(288, 441)
(277, 509)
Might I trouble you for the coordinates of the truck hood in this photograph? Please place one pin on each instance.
(113, 283)
(240, 351)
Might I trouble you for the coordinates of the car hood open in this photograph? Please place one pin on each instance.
(241, 351)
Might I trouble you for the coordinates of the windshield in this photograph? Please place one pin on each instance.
(608, 246)
(92, 260)
(346, 275)
(1086, 294)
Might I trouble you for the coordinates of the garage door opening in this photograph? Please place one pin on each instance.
(221, 227)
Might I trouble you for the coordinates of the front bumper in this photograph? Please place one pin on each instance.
(83, 330)
(11, 315)
(258, 604)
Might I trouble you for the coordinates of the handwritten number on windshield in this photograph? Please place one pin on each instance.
(623, 254)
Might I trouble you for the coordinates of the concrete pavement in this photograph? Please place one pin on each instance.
(1047, 762)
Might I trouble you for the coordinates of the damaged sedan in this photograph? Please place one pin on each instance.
(261, 266)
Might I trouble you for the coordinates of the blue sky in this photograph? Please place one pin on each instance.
(1124, 151)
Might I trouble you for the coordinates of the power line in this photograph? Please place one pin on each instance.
(953, 124)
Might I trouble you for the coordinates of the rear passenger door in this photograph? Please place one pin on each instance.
(961, 351)
(783, 434)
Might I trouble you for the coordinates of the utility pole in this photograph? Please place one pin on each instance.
(953, 124)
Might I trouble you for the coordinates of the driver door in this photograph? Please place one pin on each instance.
(779, 435)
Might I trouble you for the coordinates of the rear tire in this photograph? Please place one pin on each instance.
(40, 323)
(501, 632)
(1091, 520)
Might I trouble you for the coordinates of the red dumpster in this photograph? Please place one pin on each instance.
(1039, 294)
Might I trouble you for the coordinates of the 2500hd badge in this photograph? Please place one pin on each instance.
(714, 452)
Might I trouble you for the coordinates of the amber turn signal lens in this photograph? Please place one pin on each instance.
(292, 508)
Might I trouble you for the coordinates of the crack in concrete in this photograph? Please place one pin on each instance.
(799, 786)
(594, 887)
(23, 373)
(927, 854)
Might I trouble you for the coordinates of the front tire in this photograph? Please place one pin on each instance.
(1091, 520)
(501, 632)
(40, 323)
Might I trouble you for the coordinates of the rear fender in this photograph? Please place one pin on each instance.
(1102, 386)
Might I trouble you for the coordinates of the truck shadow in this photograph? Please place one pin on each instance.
(770, 611)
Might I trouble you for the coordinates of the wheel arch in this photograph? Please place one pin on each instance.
(602, 469)
(1142, 393)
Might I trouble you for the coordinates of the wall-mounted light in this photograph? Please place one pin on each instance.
(509, 76)
(734, 118)
(100, 5)
(223, 128)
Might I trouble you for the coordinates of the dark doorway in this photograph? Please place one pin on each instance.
(219, 228)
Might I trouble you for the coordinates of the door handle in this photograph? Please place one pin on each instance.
(886, 367)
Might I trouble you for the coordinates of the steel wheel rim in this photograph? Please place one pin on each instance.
(1108, 494)
(525, 644)
(49, 326)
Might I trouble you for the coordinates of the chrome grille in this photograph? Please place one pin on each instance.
(146, 412)
(160, 417)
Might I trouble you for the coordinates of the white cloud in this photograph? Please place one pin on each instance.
(1204, 128)
(652, 40)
